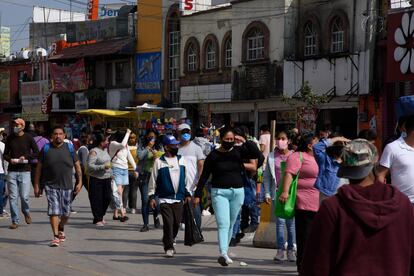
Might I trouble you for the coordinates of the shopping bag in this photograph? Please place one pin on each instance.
(286, 210)
(192, 233)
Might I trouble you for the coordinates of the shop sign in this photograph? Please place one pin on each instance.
(35, 96)
(5, 87)
(286, 116)
(81, 101)
(400, 46)
(188, 5)
(70, 78)
(307, 119)
(148, 73)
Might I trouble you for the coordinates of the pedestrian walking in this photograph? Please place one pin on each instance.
(83, 154)
(264, 142)
(366, 228)
(55, 170)
(398, 159)
(272, 178)
(100, 177)
(20, 149)
(41, 140)
(328, 153)
(120, 157)
(147, 154)
(194, 158)
(225, 165)
(168, 182)
(307, 196)
(129, 197)
(2, 174)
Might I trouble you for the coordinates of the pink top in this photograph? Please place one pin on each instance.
(279, 158)
(307, 195)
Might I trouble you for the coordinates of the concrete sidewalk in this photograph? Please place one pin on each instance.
(120, 249)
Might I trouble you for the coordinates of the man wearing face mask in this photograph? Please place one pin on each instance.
(20, 149)
(194, 158)
(168, 182)
(398, 159)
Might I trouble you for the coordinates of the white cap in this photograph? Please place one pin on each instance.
(183, 126)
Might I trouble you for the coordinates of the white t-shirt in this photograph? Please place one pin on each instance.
(2, 146)
(174, 168)
(399, 158)
(192, 153)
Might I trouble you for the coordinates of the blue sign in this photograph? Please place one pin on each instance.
(148, 73)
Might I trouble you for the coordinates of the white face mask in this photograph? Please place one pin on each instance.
(404, 134)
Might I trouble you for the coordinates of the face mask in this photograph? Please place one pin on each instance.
(227, 145)
(16, 130)
(186, 137)
(282, 144)
(404, 134)
(173, 151)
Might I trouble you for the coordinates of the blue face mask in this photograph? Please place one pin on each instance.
(186, 137)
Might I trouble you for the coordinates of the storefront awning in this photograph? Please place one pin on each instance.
(109, 113)
(124, 46)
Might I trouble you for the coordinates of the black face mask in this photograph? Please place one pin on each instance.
(173, 151)
(227, 145)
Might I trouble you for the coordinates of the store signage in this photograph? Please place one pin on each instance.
(35, 96)
(110, 10)
(400, 46)
(148, 73)
(5, 87)
(69, 78)
(188, 5)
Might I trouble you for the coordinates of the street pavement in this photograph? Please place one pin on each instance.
(120, 249)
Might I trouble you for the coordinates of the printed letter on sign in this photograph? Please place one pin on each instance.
(188, 5)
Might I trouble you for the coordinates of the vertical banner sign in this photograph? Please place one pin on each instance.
(70, 78)
(187, 5)
(400, 47)
(148, 73)
(34, 96)
(5, 87)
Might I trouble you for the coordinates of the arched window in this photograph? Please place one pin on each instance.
(255, 45)
(227, 53)
(310, 39)
(191, 58)
(172, 54)
(337, 35)
(210, 52)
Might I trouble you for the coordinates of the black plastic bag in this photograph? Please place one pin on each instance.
(192, 231)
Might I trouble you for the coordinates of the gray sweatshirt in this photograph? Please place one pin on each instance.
(96, 164)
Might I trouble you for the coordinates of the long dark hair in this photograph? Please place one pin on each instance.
(97, 139)
(304, 141)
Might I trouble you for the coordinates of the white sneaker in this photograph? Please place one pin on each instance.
(169, 253)
(280, 255)
(227, 258)
(182, 226)
(291, 256)
(205, 213)
(133, 211)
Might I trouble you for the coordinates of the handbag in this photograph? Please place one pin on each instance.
(287, 210)
(192, 233)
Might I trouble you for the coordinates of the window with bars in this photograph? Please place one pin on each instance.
(255, 45)
(227, 53)
(174, 66)
(310, 39)
(191, 59)
(210, 53)
(337, 36)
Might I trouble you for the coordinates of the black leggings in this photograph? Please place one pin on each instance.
(303, 224)
(100, 195)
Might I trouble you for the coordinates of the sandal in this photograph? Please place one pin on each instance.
(116, 218)
(123, 219)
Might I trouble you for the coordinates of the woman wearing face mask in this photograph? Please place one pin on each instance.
(303, 163)
(129, 197)
(99, 171)
(147, 154)
(271, 180)
(225, 164)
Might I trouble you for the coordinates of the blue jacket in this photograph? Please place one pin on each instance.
(327, 181)
(160, 184)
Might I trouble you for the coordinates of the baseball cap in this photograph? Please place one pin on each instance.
(358, 159)
(184, 126)
(20, 121)
(169, 140)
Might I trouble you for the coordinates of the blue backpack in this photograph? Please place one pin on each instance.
(69, 145)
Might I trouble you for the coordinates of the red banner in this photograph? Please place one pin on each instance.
(400, 46)
(70, 78)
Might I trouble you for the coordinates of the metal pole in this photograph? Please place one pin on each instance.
(272, 134)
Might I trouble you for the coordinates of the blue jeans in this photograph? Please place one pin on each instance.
(143, 180)
(236, 227)
(18, 184)
(281, 224)
(226, 204)
(2, 190)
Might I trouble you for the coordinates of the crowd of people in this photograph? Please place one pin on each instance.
(347, 219)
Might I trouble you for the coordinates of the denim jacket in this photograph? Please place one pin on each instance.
(327, 181)
(269, 176)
